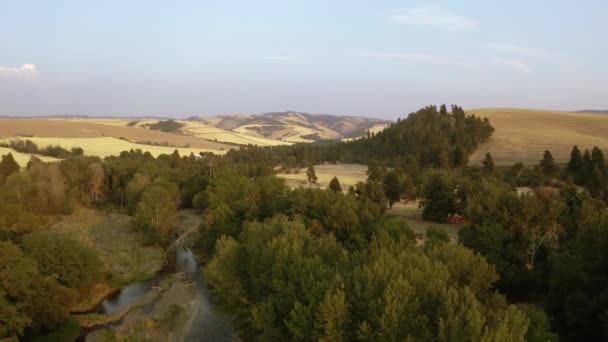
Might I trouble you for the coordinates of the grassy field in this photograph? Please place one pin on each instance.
(23, 158)
(412, 214)
(122, 250)
(72, 128)
(348, 175)
(523, 135)
(204, 131)
(106, 146)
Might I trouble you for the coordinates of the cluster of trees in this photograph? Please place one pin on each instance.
(285, 283)
(430, 137)
(165, 126)
(28, 146)
(547, 244)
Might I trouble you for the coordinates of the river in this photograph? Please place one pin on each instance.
(209, 324)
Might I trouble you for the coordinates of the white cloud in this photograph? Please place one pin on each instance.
(277, 58)
(419, 58)
(522, 51)
(25, 72)
(431, 17)
(515, 64)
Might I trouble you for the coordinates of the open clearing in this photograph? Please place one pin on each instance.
(522, 135)
(348, 175)
(412, 214)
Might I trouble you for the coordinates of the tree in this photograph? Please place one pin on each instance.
(547, 164)
(597, 160)
(156, 211)
(97, 177)
(488, 163)
(334, 185)
(575, 165)
(76, 265)
(8, 166)
(311, 175)
(393, 187)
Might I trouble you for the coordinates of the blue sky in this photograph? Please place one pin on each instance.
(375, 58)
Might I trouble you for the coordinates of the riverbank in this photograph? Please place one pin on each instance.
(163, 313)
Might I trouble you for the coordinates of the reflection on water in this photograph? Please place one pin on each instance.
(124, 296)
(210, 325)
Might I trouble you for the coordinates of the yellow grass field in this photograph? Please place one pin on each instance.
(348, 175)
(204, 131)
(82, 128)
(23, 158)
(106, 146)
(523, 134)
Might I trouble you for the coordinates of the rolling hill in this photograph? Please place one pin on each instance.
(293, 126)
(524, 134)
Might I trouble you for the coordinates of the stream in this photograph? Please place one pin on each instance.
(209, 323)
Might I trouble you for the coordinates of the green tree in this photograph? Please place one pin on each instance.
(488, 163)
(311, 175)
(8, 166)
(575, 165)
(393, 187)
(156, 210)
(547, 164)
(76, 265)
(597, 160)
(334, 185)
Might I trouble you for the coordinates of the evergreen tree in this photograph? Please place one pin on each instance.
(597, 160)
(575, 165)
(311, 175)
(547, 164)
(334, 185)
(488, 163)
(587, 166)
(8, 166)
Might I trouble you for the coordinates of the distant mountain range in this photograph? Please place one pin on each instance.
(597, 111)
(294, 126)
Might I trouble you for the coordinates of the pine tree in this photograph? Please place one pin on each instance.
(575, 165)
(334, 185)
(311, 175)
(597, 160)
(488, 163)
(548, 163)
(587, 166)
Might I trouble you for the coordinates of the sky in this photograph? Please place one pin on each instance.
(372, 58)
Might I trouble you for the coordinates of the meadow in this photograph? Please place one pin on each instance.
(348, 175)
(522, 135)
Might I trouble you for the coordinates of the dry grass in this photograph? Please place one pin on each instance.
(93, 128)
(204, 131)
(348, 175)
(105, 146)
(114, 238)
(523, 135)
(23, 158)
(412, 214)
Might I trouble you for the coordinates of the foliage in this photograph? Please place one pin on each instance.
(74, 264)
(334, 185)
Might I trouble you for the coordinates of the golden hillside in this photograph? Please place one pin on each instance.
(524, 134)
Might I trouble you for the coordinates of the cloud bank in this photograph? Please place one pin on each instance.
(25, 72)
(434, 18)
